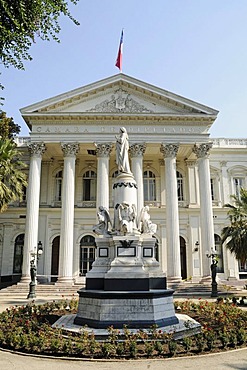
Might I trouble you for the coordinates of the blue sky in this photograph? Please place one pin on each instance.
(194, 48)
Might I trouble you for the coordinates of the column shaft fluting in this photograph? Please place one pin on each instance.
(67, 216)
(103, 154)
(206, 210)
(137, 151)
(32, 215)
(172, 218)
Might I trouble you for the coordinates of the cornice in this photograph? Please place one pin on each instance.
(95, 117)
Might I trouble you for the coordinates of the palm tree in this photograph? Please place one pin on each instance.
(235, 235)
(12, 177)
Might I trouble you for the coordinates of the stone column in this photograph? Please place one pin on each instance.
(32, 215)
(136, 152)
(206, 211)
(172, 220)
(65, 274)
(193, 191)
(225, 183)
(103, 154)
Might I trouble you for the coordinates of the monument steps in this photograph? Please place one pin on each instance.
(190, 289)
(66, 290)
(61, 290)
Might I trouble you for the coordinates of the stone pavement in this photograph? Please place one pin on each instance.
(236, 359)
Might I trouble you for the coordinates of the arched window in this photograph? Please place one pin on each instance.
(218, 248)
(89, 185)
(149, 184)
(238, 183)
(18, 254)
(180, 188)
(58, 186)
(87, 253)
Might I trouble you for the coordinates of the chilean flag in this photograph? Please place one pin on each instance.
(120, 54)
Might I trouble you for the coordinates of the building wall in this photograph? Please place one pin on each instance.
(228, 161)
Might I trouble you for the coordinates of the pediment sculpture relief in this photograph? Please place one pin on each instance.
(120, 101)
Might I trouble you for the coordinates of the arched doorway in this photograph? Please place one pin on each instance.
(87, 253)
(18, 254)
(183, 258)
(55, 258)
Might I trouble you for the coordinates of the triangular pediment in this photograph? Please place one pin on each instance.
(119, 94)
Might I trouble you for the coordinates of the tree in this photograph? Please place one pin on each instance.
(8, 129)
(12, 177)
(235, 235)
(23, 20)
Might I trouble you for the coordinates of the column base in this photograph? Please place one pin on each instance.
(65, 280)
(24, 280)
(173, 281)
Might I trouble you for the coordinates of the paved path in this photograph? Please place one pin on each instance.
(223, 361)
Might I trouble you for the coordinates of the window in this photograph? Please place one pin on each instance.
(180, 186)
(87, 254)
(149, 185)
(218, 248)
(58, 186)
(18, 254)
(89, 185)
(212, 189)
(242, 266)
(238, 183)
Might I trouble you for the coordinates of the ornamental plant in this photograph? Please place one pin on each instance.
(29, 329)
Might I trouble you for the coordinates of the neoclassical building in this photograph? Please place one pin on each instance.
(182, 174)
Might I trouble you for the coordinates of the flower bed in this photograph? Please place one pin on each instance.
(28, 329)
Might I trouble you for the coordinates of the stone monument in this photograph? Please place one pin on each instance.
(126, 285)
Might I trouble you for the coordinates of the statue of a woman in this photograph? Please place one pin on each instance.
(122, 148)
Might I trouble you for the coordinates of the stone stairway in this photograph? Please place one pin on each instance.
(204, 289)
(184, 289)
(42, 290)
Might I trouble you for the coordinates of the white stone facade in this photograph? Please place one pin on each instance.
(184, 176)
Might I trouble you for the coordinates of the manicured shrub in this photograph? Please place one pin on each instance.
(29, 329)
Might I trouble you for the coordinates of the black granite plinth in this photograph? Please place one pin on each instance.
(126, 284)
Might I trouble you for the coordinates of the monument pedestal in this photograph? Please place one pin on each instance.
(125, 286)
(136, 309)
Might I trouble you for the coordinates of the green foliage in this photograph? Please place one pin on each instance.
(235, 235)
(27, 329)
(21, 21)
(12, 177)
(8, 129)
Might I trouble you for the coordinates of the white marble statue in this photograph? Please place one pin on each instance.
(102, 228)
(125, 218)
(145, 225)
(122, 149)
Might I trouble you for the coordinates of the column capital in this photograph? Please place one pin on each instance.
(37, 149)
(137, 149)
(202, 150)
(169, 150)
(190, 163)
(103, 149)
(70, 149)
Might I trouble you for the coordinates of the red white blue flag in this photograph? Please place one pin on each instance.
(120, 54)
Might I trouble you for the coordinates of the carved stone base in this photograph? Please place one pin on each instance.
(101, 309)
